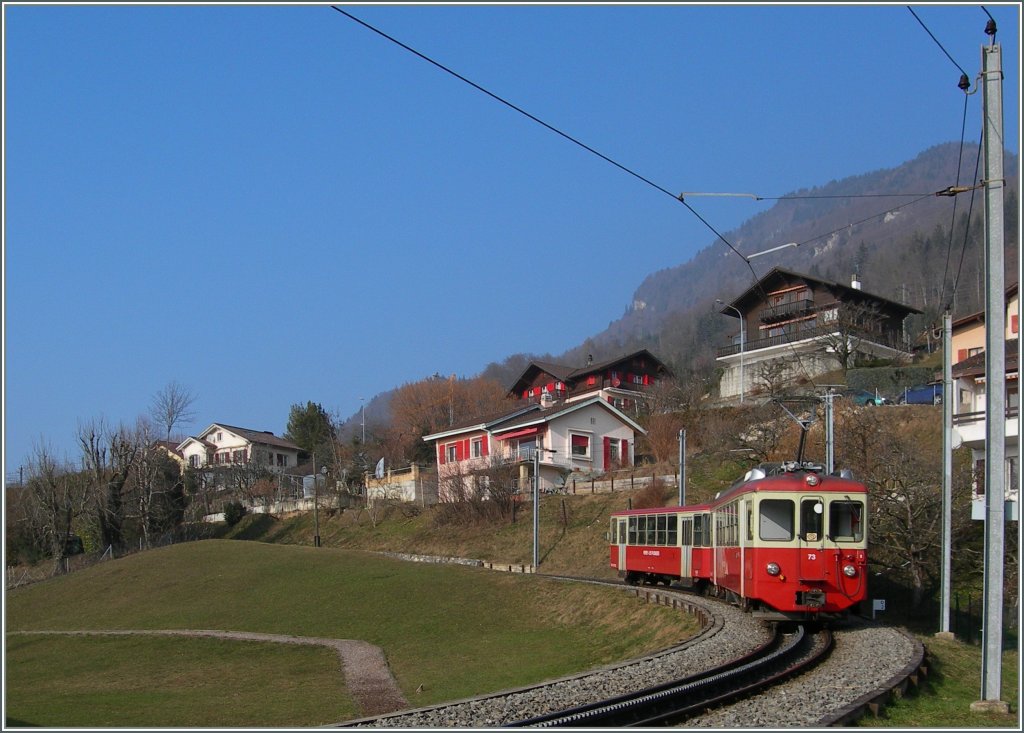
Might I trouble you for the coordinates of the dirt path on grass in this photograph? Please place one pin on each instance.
(363, 665)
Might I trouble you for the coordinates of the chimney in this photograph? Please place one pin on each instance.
(590, 359)
(855, 282)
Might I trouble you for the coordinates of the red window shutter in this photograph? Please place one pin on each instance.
(466, 451)
(647, 379)
(440, 454)
(1013, 324)
(458, 451)
(607, 452)
(526, 393)
(591, 381)
(961, 354)
(484, 447)
(610, 400)
(624, 452)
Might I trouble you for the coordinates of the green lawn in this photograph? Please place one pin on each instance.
(953, 683)
(59, 681)
(448, 632)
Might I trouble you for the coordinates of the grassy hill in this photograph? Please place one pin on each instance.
(442, 628)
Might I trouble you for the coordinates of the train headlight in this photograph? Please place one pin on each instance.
(849, 571)
(812, 479)
(773, 568)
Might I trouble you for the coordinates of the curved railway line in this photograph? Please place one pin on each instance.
(816, 679)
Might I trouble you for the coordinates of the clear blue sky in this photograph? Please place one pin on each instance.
(272, 204)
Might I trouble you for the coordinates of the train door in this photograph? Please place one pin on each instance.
(685, 545)
(621, 534)
(812, 538)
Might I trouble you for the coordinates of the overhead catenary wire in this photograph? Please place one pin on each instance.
(937, 43)
(680, 197)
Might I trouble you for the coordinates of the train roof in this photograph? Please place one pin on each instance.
(774, 477)
(664, 510)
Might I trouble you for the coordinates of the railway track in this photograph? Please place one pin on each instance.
(732, 659)
(673, 702)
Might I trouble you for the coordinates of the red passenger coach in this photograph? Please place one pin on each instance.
(786, 542)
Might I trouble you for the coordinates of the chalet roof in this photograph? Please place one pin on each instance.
(170, 446)
(483, 422)
(547, 414)
(974, 366)
(263, 437)
(755, 292)
(532, 415)
(573, 374)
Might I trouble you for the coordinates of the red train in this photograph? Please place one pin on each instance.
(786, 542)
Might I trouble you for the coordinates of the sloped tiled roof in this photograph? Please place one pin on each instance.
(264, 437)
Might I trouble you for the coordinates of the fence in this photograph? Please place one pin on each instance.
(19, 576)
(966, 620)
(618, 481)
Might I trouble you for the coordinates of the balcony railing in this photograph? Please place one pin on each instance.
(810, 333)
(969, 418)
(786, 310)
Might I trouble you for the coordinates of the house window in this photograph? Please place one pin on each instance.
(281, 459)
(238, 456)
(476, 448)
(451, 453)
(193, 461)
(613, 451)
(218, 438)
(638, 379)
(579, 445)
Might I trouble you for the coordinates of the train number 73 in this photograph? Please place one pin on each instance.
(811, 556)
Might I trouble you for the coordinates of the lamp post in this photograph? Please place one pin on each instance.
(536, 504)
(362, 417)
(743, 332)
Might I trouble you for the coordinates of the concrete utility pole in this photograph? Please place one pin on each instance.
(995, 380)
(830, 435)
(682, 467)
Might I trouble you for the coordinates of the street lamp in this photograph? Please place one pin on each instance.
(536, 503)
(743, 332)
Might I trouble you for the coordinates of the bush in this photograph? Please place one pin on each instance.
(652, 495)
(233, 512)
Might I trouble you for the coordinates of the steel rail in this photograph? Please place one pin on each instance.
(672, 701)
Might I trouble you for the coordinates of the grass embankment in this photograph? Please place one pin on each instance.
(574, 543)
(447, 631)
(953, 683)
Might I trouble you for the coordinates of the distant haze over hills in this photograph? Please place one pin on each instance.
(899, 247)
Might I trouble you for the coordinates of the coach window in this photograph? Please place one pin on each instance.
(686, 531)
(810, 519)
(662, 537)
(652, 535)
(673, 536)
(776, 519)
(844, 521)
(641, 531)
(632, 530)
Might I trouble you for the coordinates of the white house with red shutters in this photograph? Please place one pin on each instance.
(586, 436)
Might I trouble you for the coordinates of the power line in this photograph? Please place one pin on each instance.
(936, 41)
(541, 122)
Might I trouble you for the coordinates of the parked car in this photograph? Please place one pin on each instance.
(864, 398)
(922, 394)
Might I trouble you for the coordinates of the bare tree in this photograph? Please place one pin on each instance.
(846, 328)
(107, 458)
(56, 497)
(172, 405)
